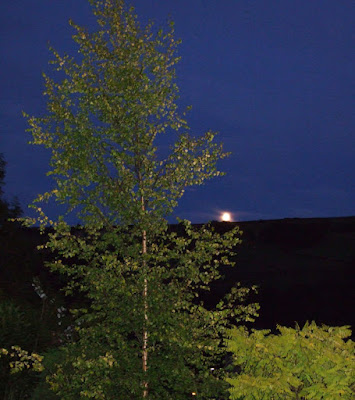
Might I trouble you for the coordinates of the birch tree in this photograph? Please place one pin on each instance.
(145, 334)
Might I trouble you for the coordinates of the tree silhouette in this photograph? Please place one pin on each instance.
(7, 210)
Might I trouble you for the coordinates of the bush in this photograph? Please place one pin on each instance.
(312, 363)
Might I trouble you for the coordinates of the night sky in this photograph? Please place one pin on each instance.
(275, 78)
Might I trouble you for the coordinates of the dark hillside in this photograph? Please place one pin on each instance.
(304, 267)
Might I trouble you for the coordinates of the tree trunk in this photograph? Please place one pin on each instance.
(145, 302)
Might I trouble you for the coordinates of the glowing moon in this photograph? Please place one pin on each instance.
(226, 216)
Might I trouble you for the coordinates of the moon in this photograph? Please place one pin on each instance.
(226, 217)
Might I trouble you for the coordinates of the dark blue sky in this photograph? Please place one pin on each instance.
(275, 78)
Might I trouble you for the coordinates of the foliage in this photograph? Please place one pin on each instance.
(105, 117)
(28, 316)
(14, 322)
(17, 326)
(51, 358)
(17, 321)
(22, 367)
(309, 363)
(21, 359)
(145, 333)
(185, 338)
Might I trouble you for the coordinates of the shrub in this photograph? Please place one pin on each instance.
(309, 363)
